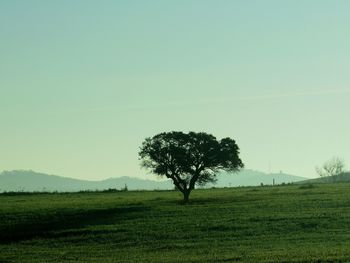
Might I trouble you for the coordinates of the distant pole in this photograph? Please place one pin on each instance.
(273, 181)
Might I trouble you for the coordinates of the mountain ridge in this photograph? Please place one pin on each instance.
(29, 181)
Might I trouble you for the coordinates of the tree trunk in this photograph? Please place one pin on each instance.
(186, 196)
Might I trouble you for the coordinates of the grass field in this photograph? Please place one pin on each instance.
(253, 224)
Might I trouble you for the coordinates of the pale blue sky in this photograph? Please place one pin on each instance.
(84, 82)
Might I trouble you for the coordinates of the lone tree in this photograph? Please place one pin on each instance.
(189, 159)
(331, 168)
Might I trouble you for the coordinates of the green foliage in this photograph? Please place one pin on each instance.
(189, 158)
(248, 224)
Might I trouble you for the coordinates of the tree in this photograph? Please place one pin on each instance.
(331, 168)
(189, 159)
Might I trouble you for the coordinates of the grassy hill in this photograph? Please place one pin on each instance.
(341, 178)
(294, 223)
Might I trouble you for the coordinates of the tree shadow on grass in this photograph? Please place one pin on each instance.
(44, 225)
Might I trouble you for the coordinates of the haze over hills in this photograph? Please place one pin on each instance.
(20, 180)
(247, 177)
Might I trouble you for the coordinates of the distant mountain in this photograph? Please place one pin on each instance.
(20, 180)
(248, 177)
(32, 181)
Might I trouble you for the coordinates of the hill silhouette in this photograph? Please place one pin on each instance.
(29, 181)
(20, 180)
(247, 177)
(343, 177)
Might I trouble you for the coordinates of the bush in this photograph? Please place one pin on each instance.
(307, 186)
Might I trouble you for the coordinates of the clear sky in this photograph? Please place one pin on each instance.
(82, 83)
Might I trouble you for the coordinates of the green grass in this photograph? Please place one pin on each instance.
(253, 224)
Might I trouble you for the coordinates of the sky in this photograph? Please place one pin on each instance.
(83, 83)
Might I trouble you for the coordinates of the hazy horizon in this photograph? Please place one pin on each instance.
(84, 83)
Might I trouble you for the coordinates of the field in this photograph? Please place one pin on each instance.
(296, 223)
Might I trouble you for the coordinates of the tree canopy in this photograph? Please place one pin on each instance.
(331, 168)
(189, 158)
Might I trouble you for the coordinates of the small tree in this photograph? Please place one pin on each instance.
(125, 188)
(331, 168)
(189, 159)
